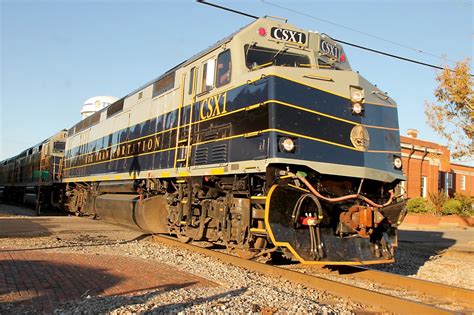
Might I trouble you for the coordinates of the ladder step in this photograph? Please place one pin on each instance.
(182, 140)
(258, 231)
(258, 199)
(181, 160)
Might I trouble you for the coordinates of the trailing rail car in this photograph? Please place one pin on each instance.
(34, 176)
(265, 142)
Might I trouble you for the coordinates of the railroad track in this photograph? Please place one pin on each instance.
(440, 293)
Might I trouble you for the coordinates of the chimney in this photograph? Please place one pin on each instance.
(412, 133)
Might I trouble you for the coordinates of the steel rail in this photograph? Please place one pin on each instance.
(396, 305)
(439, 290)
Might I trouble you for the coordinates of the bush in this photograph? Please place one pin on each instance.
(417, 205)
(452, 206)
(437, 200)
(466, 204)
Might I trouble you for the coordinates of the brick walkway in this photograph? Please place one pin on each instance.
(41, 280)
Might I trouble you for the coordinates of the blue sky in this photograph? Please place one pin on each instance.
(57, 54)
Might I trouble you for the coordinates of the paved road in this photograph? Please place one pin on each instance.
(43, 264)
(441, 236)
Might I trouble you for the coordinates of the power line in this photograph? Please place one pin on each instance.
(338, 40)
(357, 31)
(389, 55)
(228, 9)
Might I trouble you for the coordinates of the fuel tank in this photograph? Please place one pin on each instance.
(147, 214)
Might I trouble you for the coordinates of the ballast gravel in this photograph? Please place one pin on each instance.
(237, 290)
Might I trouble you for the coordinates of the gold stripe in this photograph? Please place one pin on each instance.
(233, 112)
(217, 171)
(250, 107)
(259, 197)
(120, 158)
(327, 91)
(245, 135)
(245, 83)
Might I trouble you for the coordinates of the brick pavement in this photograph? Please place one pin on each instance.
(41, 281)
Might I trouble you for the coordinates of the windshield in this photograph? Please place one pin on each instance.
(261, 56)
(59, 146)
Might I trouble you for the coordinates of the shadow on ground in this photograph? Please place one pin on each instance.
(415, 248)
(39, 286)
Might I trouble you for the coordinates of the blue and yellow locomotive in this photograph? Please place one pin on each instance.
(265, 141)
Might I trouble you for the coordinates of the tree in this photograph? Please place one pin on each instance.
(452, 115)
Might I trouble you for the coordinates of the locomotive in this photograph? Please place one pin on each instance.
(266, 142)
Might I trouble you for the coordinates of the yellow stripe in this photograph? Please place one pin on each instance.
(244, 135)
(328, 91)
(217, 171)
(236, 111)
(250, 106)
(120, 158)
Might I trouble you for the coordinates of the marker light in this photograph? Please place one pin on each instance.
(397, 162)
(262, 32)
(287, 144)
(342, 58)
(356, 95)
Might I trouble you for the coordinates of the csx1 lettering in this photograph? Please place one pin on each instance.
(288, 35)
(330, 49)
(213, 106)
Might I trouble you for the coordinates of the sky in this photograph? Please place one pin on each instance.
(56, 54)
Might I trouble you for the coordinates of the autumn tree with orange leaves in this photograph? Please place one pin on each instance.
(452, 114)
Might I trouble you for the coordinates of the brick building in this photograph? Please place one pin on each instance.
(428, 168)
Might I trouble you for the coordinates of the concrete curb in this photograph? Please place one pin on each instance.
(433, 220)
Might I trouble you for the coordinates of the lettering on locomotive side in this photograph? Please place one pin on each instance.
(213, 106)
(288, 35)
(123, 150)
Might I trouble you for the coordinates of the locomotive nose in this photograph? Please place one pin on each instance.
(317, 233)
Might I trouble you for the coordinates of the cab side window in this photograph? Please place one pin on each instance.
(192, 83)
(224, 68)
(208, 72)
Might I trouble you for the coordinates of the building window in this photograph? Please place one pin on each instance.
(423, 189)
(449, 180)
(463, 182)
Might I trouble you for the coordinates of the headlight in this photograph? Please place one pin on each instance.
(357, 108)
(286, 144)
(397, 162)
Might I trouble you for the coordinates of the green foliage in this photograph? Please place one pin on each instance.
(437, 200)
(417, 205)
(466, 204)
(452, 206)
(450, 116)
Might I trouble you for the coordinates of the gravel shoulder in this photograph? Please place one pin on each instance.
(238, 290)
